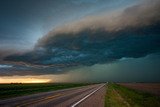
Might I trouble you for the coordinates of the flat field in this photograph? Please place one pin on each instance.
(153, 88)
(121, 96)
(14, 90)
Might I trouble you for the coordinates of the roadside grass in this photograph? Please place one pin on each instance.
(14, 90)
(113, 99)
(129, 97)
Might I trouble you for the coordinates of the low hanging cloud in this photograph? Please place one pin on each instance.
(23, 69)
(124, 70)
(132, 32)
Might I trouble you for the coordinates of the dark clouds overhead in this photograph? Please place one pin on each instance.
(133, 33)
(88, 48)
(129, 33)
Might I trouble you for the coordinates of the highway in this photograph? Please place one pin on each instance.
(85, 96)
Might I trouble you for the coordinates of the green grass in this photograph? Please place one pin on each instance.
(120, 96)
(113, 99)
(14, 90)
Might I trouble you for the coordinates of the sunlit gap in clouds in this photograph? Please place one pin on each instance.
(33, 79)
(24, 79)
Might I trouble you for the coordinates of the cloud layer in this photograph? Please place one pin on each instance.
(132, 32)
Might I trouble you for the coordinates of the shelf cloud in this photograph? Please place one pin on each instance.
(132, 32)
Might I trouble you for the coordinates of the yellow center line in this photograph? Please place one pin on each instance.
(36, 101)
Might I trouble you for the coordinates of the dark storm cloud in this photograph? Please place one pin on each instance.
(7, 52)
(133, 32)
(87, 48)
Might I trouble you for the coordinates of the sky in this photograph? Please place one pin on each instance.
(79, 41)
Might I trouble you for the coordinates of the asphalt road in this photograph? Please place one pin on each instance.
(86, 96)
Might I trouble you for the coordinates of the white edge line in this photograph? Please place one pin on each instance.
(75, 104)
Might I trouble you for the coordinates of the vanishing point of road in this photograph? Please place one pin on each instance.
(85, 96)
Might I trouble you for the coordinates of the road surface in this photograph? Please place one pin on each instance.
(86, 96)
